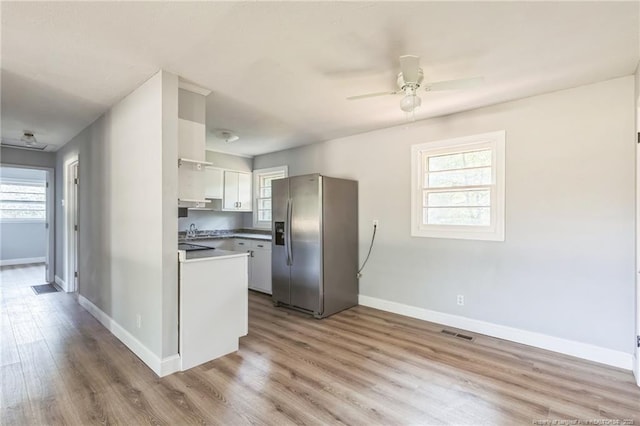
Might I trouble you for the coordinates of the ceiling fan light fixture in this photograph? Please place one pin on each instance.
(28, 138)
(226, 135)
(410, 102)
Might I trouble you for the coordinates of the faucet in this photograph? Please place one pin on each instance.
(193, 231)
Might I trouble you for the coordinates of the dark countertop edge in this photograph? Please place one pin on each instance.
(224, 237)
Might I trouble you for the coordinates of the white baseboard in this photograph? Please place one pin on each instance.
(568, 347)
(23, 261)
(161, 367)
(62, 283)
(636, 368)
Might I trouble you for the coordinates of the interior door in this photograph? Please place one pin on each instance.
(305, 242)
(280, 271)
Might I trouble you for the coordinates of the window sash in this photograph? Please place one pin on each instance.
(263, 180)
(476, 204)
(22, 200)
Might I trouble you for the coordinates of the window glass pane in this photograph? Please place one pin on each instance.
(458, 198)
(264, 215)
(33, 189)
(460, 161)
(22, 214)
(264, 203)
(22, 196)
(265, 192)
(22, 201)
(464, 216)
(9, 205)
(471, 177)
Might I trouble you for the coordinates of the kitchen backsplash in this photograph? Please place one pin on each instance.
(204, 219)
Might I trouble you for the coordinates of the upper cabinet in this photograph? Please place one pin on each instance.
(191, 146)
(213, 182)
(237, 191)
(191, 140)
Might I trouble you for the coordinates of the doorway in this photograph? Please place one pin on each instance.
(26, 221)
(71, 221)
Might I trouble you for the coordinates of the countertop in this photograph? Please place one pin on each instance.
(259, 236)
(208, 254)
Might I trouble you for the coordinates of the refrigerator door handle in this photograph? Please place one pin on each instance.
(288, 231)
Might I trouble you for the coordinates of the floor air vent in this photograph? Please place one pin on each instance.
(458, 335)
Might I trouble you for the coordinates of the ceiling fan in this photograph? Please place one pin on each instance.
(410, 80)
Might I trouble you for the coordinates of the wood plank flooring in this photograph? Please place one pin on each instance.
(359, 367)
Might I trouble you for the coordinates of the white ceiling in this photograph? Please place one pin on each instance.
(280, 71)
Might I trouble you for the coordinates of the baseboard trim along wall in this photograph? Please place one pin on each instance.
(62, 283)
(564, 346)
(162, 367)
(636, 369)
(23, 261)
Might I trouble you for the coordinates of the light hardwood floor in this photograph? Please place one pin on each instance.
(359, 367)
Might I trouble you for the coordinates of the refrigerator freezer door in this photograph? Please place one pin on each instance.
(305, 239)
(280, 271)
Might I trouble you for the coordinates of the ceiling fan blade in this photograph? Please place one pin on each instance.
(410, 67)
(370, 95)
(465, 83)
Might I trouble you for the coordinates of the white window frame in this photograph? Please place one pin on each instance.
(495, 232)
(28, 182)
(257, 174)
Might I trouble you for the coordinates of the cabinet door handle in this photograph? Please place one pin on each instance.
(260, 245)
(239, 204)
(251, 251)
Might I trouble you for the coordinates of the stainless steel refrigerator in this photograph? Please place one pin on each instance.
(314, 257)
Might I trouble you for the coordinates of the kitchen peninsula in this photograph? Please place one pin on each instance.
(214, 268)
(213, 304)
(255, 242)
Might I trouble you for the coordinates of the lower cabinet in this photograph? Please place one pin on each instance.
(259, 263)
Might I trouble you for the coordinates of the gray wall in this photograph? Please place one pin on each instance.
(128, 212)
(25, 157)
(228, 161)
(22, 240)
(566, 268)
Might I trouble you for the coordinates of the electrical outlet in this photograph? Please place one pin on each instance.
(376, 223)
(460, 300)
(139, 320)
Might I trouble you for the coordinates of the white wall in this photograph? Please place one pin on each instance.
(128, 213)
(566, 268)
(211, 220)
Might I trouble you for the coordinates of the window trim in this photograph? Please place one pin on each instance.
(256, 188)
(495, 232)
(27, 182)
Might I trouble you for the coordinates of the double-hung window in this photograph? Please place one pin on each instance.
(458, 188)
(262, 179)
(22, 200)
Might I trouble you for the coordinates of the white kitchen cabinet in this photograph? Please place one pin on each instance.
(237, 191)
(213, 307)
(260, 269)
(213, 182)
(259, 266)
(191, 162)
(191, 140)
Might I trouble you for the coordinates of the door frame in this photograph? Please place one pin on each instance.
(50, 216)
(71, 220)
